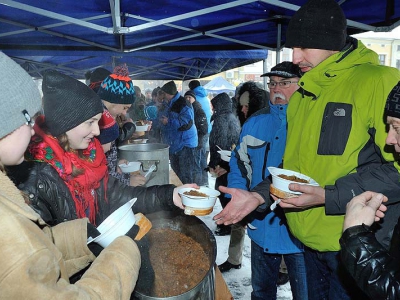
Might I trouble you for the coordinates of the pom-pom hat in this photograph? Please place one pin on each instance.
(318, 24)
(109, 129)
(118, 87)
(67, 102)
(19, 93)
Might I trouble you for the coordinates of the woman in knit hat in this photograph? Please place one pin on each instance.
(37, 260)
(69, 177)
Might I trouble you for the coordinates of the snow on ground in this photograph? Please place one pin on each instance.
(238, 281)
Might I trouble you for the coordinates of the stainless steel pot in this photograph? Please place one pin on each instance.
(149, 154)
(197, 230)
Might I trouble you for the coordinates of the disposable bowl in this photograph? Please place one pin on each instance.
(225, 155)
(283, 184)
(142, 127)
(132, 166)
(116, 224)
(198, 205)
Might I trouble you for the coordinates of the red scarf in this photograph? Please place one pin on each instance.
(45, 148)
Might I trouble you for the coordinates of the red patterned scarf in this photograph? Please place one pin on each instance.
(45, 148)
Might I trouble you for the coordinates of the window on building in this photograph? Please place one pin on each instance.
(398, 48)
(398, 64)
(383, 45)
(382, 59)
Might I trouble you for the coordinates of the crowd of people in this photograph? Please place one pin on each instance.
(325, 114)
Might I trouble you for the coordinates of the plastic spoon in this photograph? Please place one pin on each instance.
(150, 170)
(273, 205)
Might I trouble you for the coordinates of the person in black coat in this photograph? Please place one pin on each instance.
(224, 133)
(376, 269)
(200, 120)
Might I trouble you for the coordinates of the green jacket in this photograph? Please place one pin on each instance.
(336, 135)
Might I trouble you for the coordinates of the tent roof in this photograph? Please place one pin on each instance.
(219, 85)
(160, 39)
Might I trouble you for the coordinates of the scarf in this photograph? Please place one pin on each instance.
(45, 148)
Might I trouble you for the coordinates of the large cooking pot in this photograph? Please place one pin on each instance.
(196, 229)
(149, 154)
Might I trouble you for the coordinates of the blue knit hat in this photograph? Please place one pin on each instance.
(118, 88)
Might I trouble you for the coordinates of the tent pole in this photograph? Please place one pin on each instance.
(278, 43)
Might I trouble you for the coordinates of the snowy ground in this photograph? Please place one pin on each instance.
(238, 281)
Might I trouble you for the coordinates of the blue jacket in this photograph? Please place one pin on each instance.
(261, 145)
(180, 130)
(201, 97)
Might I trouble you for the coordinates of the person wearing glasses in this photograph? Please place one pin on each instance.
(261, 145)
(336, 135)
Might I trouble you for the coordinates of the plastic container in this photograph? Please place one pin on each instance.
(116, 224)
(132, 166)
(198, 205)
(283, 184)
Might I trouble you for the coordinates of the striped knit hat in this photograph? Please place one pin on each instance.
(118, 88)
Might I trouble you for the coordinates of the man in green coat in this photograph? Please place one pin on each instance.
(336, 135)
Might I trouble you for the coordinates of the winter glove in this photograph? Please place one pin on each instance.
(93, 232)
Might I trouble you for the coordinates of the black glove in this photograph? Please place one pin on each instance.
(93, 232)
(132, 233)
(146, 273)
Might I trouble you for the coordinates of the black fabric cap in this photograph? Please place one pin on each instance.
(194, 84)
(392, 108)
(190, 93)
(285, 69)
(99, 74)
(318, 24)
(67, 102)
(169, 88)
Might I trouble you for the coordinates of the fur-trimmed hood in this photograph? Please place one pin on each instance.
(258, 97)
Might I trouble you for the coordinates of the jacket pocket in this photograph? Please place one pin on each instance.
(335, 129)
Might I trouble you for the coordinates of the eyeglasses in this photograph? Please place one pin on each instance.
(29, 120)
(283, 84)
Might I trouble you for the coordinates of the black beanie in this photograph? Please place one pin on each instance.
(67, 102)
(392, 108)
(191, 93)
(194, 84)
(318, 24)
(118, 88)
(169, 88)
(96, 78)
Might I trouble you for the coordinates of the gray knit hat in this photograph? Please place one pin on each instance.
(67, 102)
(18, 93)
(169, 88)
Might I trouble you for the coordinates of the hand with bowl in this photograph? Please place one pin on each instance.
(177, 198)
(311, 196)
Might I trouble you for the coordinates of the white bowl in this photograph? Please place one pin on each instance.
(116, 224)
(225, 155)
(283, 184)
(142, 127)
(199, 205)
(140, 141)
(132, 166)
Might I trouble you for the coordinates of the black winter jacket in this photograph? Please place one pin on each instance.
(50, 197)
(375, 269)
(200, 120)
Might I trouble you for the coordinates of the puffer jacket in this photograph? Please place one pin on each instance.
(376, 270)
(258, 149)
(200, 120)
(37, 260)
(51, 198)
(258, 98)
(336, 135)
(225, 129)
(180, 131)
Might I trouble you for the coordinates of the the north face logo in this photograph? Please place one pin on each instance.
(340, 112)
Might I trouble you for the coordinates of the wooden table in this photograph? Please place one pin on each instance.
(174, 179)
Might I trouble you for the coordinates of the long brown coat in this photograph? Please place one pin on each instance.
(36, 260)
